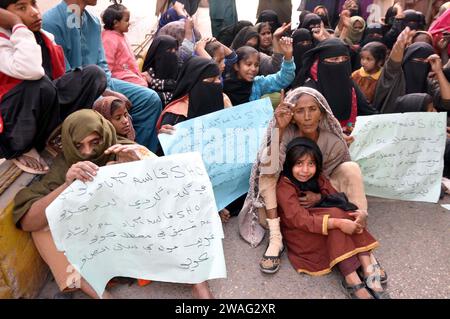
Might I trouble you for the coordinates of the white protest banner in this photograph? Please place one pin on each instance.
(153, 219)
(401, 155)
(228, 140)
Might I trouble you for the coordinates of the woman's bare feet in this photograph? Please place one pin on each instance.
(224, 215)
(201, 291)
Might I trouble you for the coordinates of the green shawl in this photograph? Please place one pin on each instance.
(75, 128)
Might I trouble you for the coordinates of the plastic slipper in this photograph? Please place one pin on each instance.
(34, 154)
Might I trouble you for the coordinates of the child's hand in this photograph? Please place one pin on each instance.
(347, 226)
(310, 199)
(286, 47)
(147, 77)
(200, 48)
(360, 217)
(226, 49)
(348, 139)
(8, 19)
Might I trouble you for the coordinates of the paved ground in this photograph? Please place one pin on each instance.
(415, 251)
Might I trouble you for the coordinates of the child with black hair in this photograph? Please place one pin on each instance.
(211, 48)
(118, 52)
(325, 235)
(373, 55)
(243, 84)
(115, 110)
(36, 92)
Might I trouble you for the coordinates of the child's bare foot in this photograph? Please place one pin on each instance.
(224, 215)
(201, 291)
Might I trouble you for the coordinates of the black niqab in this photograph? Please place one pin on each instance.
(334, 79)
(298, 37)
(416, 73)
(164, 63)
(204, 97)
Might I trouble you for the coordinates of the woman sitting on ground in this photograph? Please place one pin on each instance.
(88, 141)
(304, 113)
(198, 92)
(161, 66)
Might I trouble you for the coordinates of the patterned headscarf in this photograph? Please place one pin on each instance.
(249, 226)
(103, 106)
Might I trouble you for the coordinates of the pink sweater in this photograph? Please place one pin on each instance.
(120, 58)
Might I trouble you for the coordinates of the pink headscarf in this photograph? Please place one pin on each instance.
(103, 106)
(439, 25)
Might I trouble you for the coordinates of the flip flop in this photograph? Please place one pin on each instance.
(34, 154)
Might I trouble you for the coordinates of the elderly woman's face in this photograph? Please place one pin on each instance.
(87, 145)
(307, 114)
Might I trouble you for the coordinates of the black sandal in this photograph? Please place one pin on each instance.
(350, 290)
(383, 279)
(371, 282)
(271, 264)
